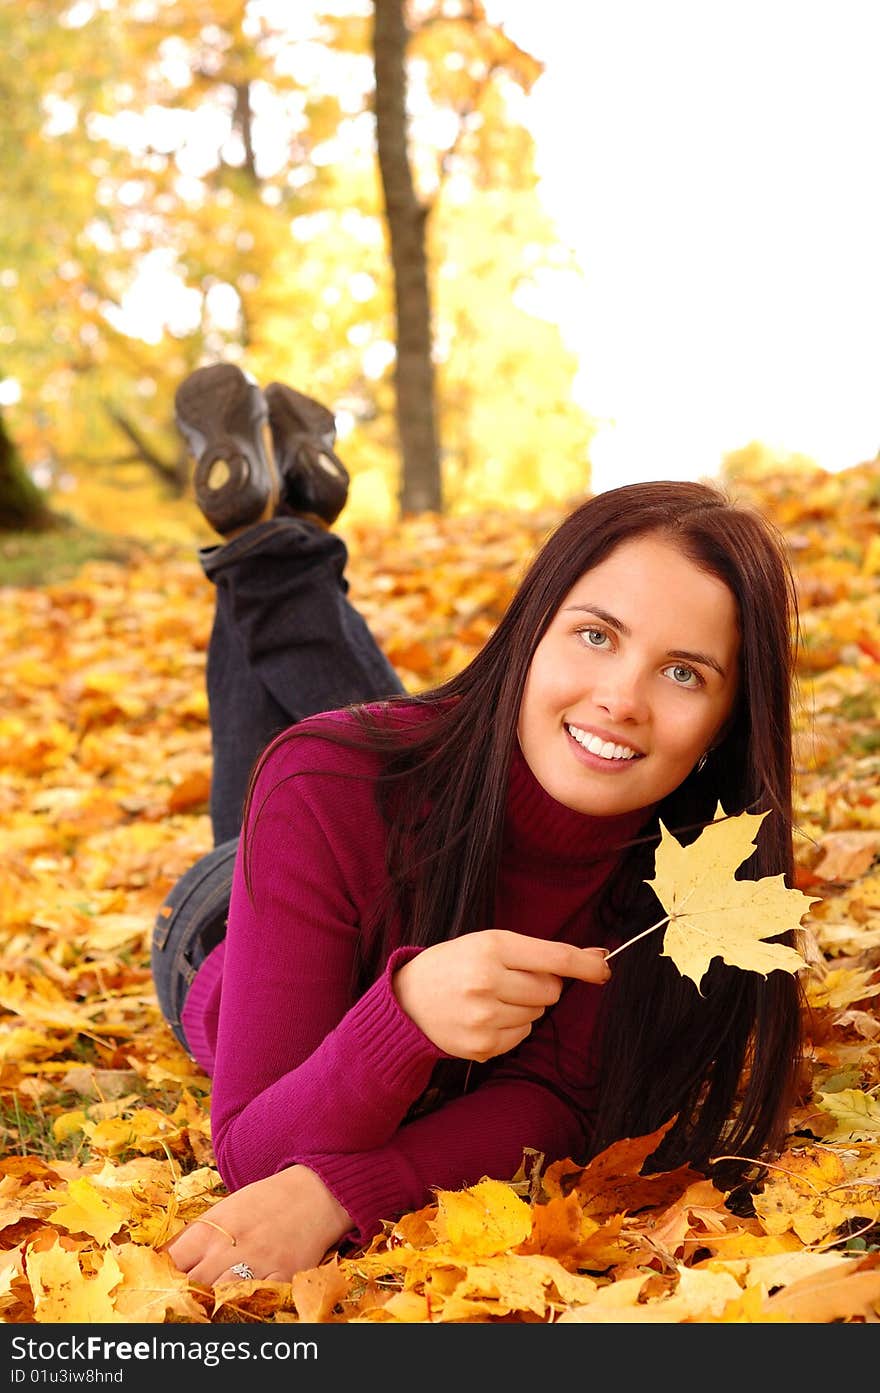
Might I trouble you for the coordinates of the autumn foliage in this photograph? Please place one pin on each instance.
(105, 756)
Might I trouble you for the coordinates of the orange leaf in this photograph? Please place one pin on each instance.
(318, 1290)
(832, 1296)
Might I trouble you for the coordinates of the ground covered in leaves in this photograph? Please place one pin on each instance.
(104, 777)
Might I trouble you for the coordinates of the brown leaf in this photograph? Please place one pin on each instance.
(612, 1183)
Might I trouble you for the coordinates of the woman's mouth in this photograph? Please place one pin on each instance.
(606, 752)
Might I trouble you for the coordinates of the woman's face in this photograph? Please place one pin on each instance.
(632, 681)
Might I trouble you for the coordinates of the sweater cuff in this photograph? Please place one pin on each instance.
(400, 1054)
(376, 1187)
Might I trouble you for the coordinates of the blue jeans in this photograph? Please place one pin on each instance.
(191, 920)
(285, 643)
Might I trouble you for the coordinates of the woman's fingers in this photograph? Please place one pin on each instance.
(460, 992)
(207, 1251)
(210, 1268)
(590, 965)
(519, 988)
(271, 1227)
(508, 1015)
(541, 955)
(196, 1246)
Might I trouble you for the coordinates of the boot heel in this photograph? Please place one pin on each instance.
(221, 414)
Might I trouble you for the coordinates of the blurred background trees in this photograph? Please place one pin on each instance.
(188, 180)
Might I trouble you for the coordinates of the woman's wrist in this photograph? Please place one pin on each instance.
(330, 1215)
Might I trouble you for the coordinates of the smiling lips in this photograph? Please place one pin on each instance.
(605, 749)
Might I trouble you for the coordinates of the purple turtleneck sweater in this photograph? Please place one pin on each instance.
(303, 1072)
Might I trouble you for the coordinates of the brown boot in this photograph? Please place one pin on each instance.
(313, 478)
(221, 414)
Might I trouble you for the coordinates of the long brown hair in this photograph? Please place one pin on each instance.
(724, 1063)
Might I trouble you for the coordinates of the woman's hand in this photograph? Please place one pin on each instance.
(280, 1225)
(478, 995)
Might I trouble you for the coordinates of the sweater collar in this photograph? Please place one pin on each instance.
(538, 826)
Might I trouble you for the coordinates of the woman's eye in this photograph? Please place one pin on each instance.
(684, 676)
(594, 637)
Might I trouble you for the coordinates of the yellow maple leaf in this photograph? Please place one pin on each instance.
(767, 1274)
(88, 1211)
(697, 1296)
(63, 1294)
(710, 914)
(484, 1219)
(144, 1130)
(611, 1302)
(153, 1288)
(748, 1309)
(509, 1282)
(857, 1115)
(42, 1002)
(813, 1193)
(67, 1124)
(29, 1045)
(840, 986)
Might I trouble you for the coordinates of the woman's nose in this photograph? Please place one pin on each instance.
(622, 694)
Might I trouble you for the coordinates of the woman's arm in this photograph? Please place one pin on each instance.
(287, 1222)
(537, 1096)
(301, 1065)
(540, 1096)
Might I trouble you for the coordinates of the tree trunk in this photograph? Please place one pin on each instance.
(23, 507)
(421, 487)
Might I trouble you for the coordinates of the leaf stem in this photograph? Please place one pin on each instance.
(643, 934)
(798, 1179)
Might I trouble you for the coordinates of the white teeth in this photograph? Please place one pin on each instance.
(605, 749)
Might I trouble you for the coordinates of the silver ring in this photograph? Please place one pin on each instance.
(241, 1269)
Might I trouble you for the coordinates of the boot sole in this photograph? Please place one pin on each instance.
(291, 411)
(220, 414)
(313, 477)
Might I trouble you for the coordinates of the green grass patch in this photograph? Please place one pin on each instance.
(42, 558)
(26, 1130)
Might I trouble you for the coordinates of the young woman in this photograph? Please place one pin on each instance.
(412, 987)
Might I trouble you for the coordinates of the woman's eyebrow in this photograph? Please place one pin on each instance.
(603, 614)
(704, 659)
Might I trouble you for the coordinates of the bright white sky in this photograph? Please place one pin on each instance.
(716, 167)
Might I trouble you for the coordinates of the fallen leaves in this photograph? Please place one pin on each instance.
(856, 1116)
(847, 855)
(104, 780)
